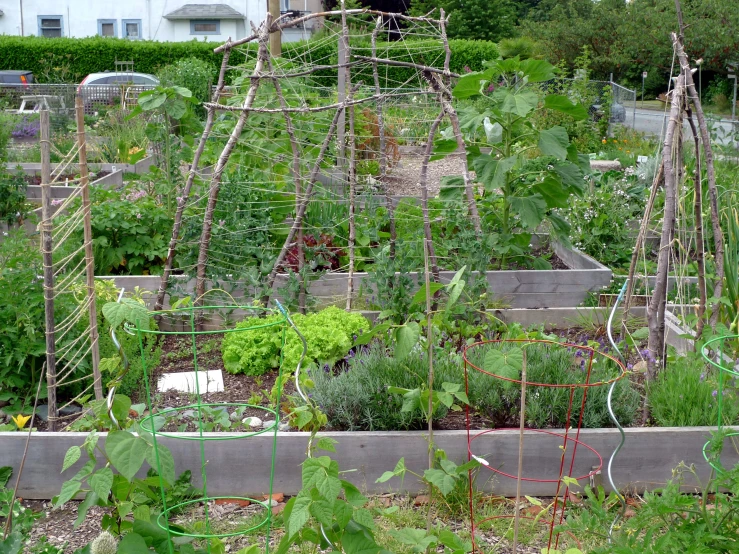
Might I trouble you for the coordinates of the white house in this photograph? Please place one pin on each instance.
(163, 20)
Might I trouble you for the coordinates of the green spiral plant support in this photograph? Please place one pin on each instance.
(187, 318)
(713, 351)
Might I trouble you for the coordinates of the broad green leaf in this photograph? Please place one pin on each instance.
(537, 70)
(101, 481)
(151, 100)
(364, 518)
(561, 103)
(71, 457)
(329, 488)
(493, 131)
(406, 337)
(419, 539)
(359, 543)
(175, 108)
(323, 511)
(303, 418)
(440, 479)
(554, 142)
(451, 540)
(377, 330)
(506, 364)
(326, 443)
(313, 470)
(133, 543)
(126, 310)
(253, 549)
(5, 473)
(121, 407)
(641, 333)
(442, 148)
(452, 187)
(69, 490)
(469, 85)
(454, 294)
(531, 209)
(165, 467)
(550, 189)
(541, 264)
(299, 515)
(142, 512)
(343, 513)
(420, 296)
(353, 495)
(13, 544)
(571, 175)
(519, 103)
(182, 91)
(91, 499)
(491, 172)
(126, 452)
(399, 471)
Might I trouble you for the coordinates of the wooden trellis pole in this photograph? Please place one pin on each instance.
(89, 259)
(47, 255)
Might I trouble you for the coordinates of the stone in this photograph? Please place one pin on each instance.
(284, 426)
(278, 508)
(234, 416)
(605, 165)
(189, 414)
(532, 510)
(268, 424)
(640, 367)
(421, 500)
(252, 422)
(277, 497)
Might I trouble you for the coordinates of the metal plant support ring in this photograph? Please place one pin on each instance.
(713, 352)
(152, 424)
(566, 443)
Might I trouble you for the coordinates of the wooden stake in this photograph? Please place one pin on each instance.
(47, 254)
(521, 427)
(352, 175)
(425, 196)
(89, 258)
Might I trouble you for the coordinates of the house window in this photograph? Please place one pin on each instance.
(50, 26)
(205, 27)
(132, 29)
(285, 5)
(107, 28)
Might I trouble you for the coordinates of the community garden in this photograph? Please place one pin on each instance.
(362, 299)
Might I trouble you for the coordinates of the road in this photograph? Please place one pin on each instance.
(653, 122)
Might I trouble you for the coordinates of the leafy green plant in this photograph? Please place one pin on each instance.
(14, 207)
(328, 332)
(22, 518)
(686, 395)
(191, 73)
(520, 193)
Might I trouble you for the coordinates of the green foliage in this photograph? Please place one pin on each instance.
(355, 397)
(481, 19)
(686, 395)
(546, 407)
(520, 192)
(90, 55)
(668, 520)
(22, 518)
(329, 334)
(193, 74)
(13, 204)
(130, 230)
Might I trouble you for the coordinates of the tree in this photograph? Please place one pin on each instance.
(482, 19)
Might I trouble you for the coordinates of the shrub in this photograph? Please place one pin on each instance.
(685, 395)
(192, 73)
(328, 334)
(89, 55)
(356, 399)
(547, 406)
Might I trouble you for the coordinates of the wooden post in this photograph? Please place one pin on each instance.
(341, 127)
(89, 259)
(275, 39)
(46, 251)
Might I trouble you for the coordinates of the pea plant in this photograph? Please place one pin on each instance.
(526, 172)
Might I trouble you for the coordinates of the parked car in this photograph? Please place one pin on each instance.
(16, 77)
(106, 88)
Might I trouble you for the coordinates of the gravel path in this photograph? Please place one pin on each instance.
(404, 179)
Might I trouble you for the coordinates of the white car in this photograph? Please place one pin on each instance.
(106, 88)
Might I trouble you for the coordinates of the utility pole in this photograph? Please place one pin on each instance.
(275, 39)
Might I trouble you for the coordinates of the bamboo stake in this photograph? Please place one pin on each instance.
(427, 246)
(383, 142)
(182, 201)
(89, 258)
(46, 250)
(521, 428)
(425, 195)
(215, 182)
(352, 176)
(275, 36)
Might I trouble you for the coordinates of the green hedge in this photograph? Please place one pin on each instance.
(90, 55)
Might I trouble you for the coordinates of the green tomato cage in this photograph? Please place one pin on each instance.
(194, 323)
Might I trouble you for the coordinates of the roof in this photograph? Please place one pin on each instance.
(204, 11)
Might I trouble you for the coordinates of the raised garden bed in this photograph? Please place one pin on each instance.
(526, 288)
